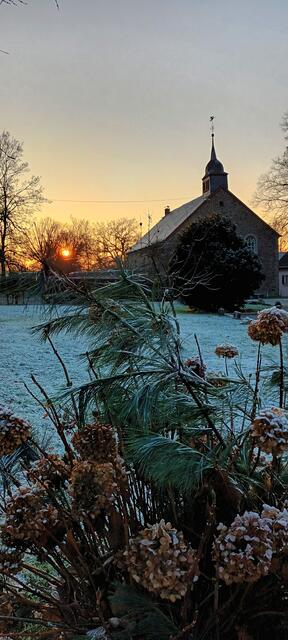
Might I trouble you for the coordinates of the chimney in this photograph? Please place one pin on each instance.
(167, 211)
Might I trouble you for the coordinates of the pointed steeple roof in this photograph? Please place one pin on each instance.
(214, 166)
(215, 175)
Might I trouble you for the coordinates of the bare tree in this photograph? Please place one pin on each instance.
(39, 246)
(48, 244)
(272, 188)
(79, 236)
(16, 3)
(20, 196)
(76, 245)
(114, 239)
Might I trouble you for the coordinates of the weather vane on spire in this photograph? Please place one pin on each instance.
(212, 125)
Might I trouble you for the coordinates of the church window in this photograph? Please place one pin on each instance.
(285, 280)
(251, 243)
(221, 203)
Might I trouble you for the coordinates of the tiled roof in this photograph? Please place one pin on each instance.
(169, 223)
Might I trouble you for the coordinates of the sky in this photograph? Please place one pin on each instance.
(112, 98)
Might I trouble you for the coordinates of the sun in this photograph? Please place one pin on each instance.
(65, 252)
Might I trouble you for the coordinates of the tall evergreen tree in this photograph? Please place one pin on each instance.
(212, 266)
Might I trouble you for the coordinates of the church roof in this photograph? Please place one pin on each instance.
(172, 221)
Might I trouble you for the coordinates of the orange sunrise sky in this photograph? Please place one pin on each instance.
(112, 98)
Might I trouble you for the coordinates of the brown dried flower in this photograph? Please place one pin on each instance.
(161, 561)
(10, 561)
(49, 472)
(196, 366)
(13, 432)
(243, 551)
(279, 523)
(269, 326)
(93, 487)
(269, 431)
(226, 351)
(30, 520)
(96, 442)
(95, 312)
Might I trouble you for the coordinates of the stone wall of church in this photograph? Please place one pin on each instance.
(157, 257)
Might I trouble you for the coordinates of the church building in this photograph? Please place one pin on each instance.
(153, 252)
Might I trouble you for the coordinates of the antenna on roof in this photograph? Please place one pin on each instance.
(149, 228)
(141, 231)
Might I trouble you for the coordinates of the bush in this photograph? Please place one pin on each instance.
(212, 267)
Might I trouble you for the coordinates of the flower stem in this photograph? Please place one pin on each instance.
(281, 384)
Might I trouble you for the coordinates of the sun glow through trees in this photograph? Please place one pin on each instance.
(65, 252)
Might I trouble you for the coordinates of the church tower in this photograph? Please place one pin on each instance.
(215, 176)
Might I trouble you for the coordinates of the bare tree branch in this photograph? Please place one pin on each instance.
(20, 196)
(272, 188)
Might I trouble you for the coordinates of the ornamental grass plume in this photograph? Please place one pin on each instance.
(14, 432)
(243, 551)
(161, 561)
(269, 326)
(226, 351)
(30, 520)
(269, 431)
(93, 487)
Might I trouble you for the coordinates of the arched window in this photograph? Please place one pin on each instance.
(251, 243)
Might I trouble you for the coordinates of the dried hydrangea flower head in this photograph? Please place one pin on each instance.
(269, 326)
(10, 561)
(13, 432)
(196, 366)
(49, 472)
(30, 520)
(279, 523)
(161, 561)
(226, 351)
(93, 487)
(96, 442)
(269, 431)
(243, 551)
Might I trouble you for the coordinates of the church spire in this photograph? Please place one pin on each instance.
(213, 152)
(215, 176)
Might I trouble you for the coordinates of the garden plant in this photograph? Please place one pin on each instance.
(163, 510)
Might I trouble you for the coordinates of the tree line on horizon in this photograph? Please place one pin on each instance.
(30, 243)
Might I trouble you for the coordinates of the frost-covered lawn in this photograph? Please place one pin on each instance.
(212, 329)
(22, 353)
